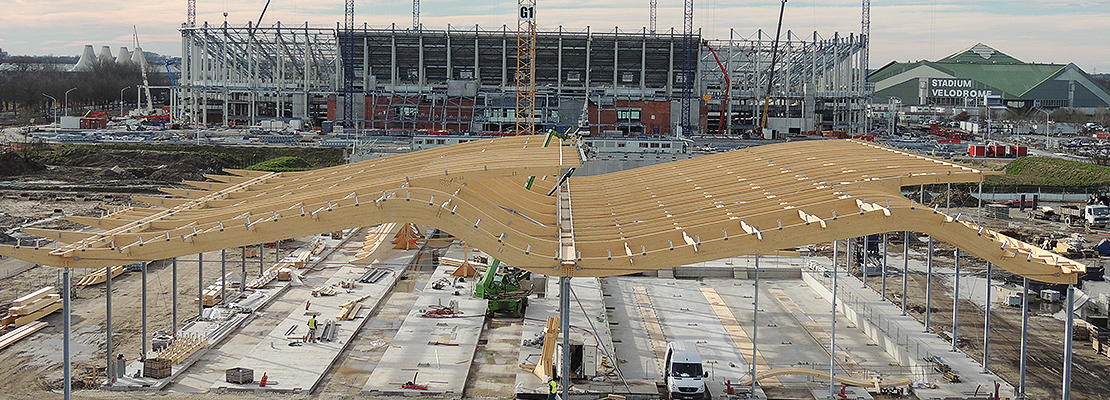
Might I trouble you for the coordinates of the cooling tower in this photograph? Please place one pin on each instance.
(124, 56)
(86, 61)
(105, 55)
(139, 58)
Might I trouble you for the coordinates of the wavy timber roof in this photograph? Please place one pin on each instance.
(752, 201)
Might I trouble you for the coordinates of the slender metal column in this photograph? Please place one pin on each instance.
(145, 337)
(1024, 335)
(173, 325)
(885, 250)
(987, 323)
(832, 343)
(67, 326)
(110, 371)
(755, 321)
(223, 275)
(956, 301)
(1070, 312)
(564, 311)
(200, 284)
(243, 279)
(929, 285)
(863, 259)
(905, 268)
(261, 263)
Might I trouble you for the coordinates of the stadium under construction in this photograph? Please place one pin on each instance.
(405, 80)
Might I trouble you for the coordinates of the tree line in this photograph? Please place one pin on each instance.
(23, 84)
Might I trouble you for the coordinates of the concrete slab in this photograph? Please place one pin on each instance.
(906, 339)
(293, 366)
(433, 352)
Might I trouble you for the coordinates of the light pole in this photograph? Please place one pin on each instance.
(121, 100)
(66, 104)
(55, 107)
(1046, 128)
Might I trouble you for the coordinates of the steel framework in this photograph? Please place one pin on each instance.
(526, 68)
(465, 78)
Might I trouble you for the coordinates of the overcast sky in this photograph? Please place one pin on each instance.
(1032, 31)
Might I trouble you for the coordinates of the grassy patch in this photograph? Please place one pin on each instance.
(282, 164)
(1046, 171)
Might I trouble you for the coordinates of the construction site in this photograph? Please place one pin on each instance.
(484, 267)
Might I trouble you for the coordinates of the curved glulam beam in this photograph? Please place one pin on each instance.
(753, 201)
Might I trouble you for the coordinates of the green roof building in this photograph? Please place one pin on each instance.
(982, 74)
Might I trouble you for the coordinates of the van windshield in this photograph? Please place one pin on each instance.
(686, 369)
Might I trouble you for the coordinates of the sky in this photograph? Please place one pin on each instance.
(1032, 31)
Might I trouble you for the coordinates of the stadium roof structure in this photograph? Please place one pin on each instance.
(751, 201)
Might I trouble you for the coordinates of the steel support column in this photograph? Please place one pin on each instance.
(110, 370)
(929, 285)
(145, 337)
(173, 323)
(67, 327)
(956, 300)
(1070, 312)
(905, 268)
(200, 284)
(886, 243)
(832, 341)
(564, 314)
(223, 275)
(987, 324)
(1024, 336)
(755, 321)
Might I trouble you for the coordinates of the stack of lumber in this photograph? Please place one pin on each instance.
(97, 277)
(20, 333)
(374, 239)
(183, 347)
(213, 294)
(349, 310)
(33, 306)
(317, 246)
(326, 290)
(266, 277)
(302, 259)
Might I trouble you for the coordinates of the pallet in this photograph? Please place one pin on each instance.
(20, 333)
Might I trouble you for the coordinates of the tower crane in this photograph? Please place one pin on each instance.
(526, 68)
(771, 76)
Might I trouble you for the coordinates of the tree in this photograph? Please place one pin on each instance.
(1102, 117)
(962, 116)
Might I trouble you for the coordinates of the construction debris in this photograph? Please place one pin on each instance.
(326, 290)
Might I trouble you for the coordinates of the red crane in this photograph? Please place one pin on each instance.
(728, 84)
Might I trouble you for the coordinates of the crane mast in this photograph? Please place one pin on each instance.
(526, 68)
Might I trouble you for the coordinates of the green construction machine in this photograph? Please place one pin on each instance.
(503, 288)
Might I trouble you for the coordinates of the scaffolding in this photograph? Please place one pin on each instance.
(463, 79)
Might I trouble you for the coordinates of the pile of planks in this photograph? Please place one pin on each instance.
(317, 246)
(97, 277)
(213, 294)
(326, 290)
(20, 333)
(349, 310)
(33, 306)
(301, 260)
(183, 347)
(374, 239)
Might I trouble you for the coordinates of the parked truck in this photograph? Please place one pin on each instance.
(1090, 216)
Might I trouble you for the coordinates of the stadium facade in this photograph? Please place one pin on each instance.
(982, 75)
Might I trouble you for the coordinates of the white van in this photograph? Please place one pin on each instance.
(683, 372)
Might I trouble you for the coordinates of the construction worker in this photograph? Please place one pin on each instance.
(554, 390)
(312, 329)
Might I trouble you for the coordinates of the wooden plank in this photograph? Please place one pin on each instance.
(32, 317)
(38, 305)
(20, 333)
(33, 297)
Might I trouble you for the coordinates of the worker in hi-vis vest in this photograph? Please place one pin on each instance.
(554, 390)
(312, 329)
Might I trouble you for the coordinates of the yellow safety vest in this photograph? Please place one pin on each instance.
(312, 323)
(554, 387)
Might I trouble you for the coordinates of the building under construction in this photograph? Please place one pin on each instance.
(406, 80)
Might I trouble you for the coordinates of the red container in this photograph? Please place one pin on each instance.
(977, 150)
(1022, 151)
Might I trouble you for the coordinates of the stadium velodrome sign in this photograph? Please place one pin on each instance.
(956, 88)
